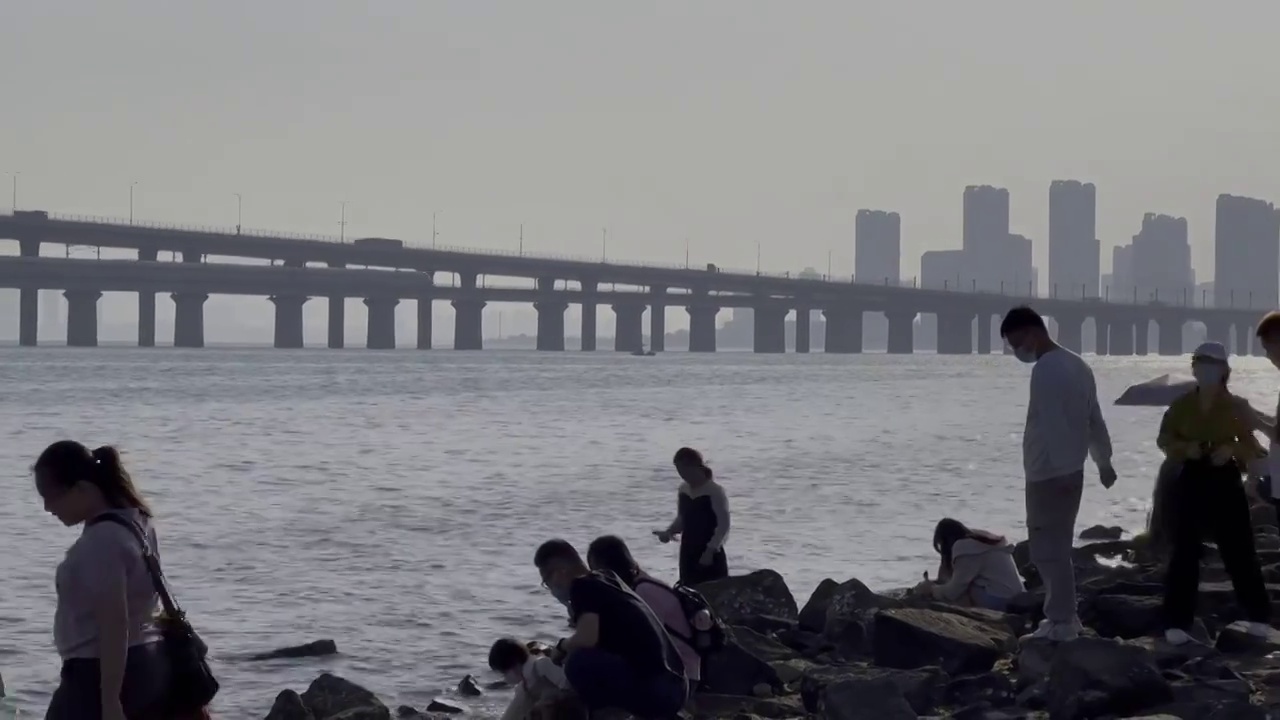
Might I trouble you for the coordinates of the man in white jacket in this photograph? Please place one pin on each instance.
(1064, 425)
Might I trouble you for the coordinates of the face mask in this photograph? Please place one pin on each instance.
(1024, 354)
(1207, 375)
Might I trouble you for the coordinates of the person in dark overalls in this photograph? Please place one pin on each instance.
(702, 521)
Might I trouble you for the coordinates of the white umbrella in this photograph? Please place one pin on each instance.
(1157, 392)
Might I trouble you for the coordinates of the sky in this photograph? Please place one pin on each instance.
(724, 123)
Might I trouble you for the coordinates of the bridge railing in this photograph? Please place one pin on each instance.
(1127, 297)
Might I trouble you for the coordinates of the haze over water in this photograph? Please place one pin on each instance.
(392, 501)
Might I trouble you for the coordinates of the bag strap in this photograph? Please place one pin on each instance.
(149, 558)
(688, 639)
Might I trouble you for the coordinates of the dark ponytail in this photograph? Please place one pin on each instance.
(68, 462)
(689, 456)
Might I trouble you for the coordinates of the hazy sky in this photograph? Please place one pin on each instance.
(727, 122)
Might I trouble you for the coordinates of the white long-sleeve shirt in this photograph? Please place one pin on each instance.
(1064, 419)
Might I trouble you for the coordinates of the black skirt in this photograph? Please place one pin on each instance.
(146, 680)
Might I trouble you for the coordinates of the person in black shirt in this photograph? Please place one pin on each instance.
(702, 521)
(619, 655)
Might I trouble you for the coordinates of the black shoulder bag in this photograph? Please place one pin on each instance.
(192, 685)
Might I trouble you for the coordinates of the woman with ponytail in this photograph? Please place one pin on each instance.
(104, 627)
(701, 522)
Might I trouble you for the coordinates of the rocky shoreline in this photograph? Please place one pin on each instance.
(853, 654)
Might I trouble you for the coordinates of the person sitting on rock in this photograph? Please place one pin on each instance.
(977, 567)
(536, 678)
(702, 521)
(620, 655)
(611, 553)
(1208, 433)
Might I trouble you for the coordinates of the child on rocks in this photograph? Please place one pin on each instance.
(537, 679)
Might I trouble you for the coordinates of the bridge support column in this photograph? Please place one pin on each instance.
(984, 333)
(1169, 341)
(658, 320)
(337, 317)
(1070, 331)
(288, 332)
(1121, 337)
(82, 317)
(425, 301)
(188, 319)
(146, 319)
(468, 324)
(1141, 336)
(955, 333)
(702, 327)
(1101, 336)
(804, 328)
(769, 328)
(587, 334)
(550, 324)
(28, 300)
(901, 340)
(381, 326)
(1244, 338)
(843, 332)
(628, 332)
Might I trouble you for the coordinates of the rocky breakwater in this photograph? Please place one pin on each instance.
(850, 653)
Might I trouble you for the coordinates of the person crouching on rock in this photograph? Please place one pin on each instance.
(612, 554)
(1205, 430)
(702, 521)
(536, 678)
(620, 655)
(114, 665)
(977, 567)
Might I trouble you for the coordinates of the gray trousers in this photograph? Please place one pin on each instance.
(1052, 506)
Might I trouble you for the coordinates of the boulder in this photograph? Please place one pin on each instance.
(1093, 677)
(315, 648)
(468, 687)
(859, 699)
(289, 706)
(1263, 514)
(1235, 640)
(913, 638)
(1124, 616)
(735, 670)
(924, 689)
(726, 706)
(439, 706)
(989, 689)
(850, 608)
(1102, 532)
(762, 592)
(813, 616)
(329, 696)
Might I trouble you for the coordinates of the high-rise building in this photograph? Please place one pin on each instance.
(877, 252)
(946, 270)
(1074, 249)
(1156, 265)
(1246, 253)
(986, 217)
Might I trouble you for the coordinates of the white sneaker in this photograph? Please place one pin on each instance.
(1175, 636)
(1055, 632)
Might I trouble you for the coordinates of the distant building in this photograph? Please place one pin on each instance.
(1156, 265)
(946, 270)
(986, 217)
(1074, 249)
(1246, 252)
(877, 252)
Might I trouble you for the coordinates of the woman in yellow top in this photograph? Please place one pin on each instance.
(1208, 431)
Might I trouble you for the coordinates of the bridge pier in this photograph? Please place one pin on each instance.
(425, 328)
(769, 328)
(658, 320)
(1169, 331)
(468, 324)
(628, 332)
(381, 326)
(901, 340)
(337, 317)
(82, 317)
(1141, 336)
(955, 333)
(288, 333)
(587, 334)
(804, 328)
(1101, 335)
(984, 333)
(28, 300)
(1244, 338)
(702, 327)
(550, 324)
(1070, 331)
(1121, 337)
(842, 333)
(146, 319)
(188, 319)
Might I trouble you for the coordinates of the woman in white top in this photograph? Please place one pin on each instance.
(702, 521)
(113, 663)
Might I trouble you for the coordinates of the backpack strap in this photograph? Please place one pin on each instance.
(149, 559)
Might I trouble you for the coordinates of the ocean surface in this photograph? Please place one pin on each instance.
(392, 500)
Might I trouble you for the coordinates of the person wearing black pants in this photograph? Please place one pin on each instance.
(702, 521)
(1207, 431)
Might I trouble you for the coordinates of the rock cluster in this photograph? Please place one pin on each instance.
(853, 654)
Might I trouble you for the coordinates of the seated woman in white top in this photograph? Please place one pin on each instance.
(977, 567)
(113, 663)
(536, 678)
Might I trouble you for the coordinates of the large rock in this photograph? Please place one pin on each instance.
(762, 592)
(924, 689)
(858, 699)
(914, 638)
(850, 609)
(1102, 532)
(1092, 677)
(1124, 616)
(330, 696)
(289, 706)
(736, 670)
(813, 616)
(726, 706)
(315, 648)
